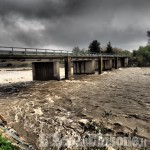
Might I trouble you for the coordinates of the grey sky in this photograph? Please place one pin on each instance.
(63, 24)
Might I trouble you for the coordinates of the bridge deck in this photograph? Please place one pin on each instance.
(36, 53)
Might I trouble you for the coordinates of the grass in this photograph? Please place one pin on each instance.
(5, 145)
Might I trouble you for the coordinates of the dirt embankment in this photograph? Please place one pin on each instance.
(117, 102)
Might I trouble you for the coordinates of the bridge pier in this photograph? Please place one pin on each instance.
(107, 64)
(100, 65)
(67, 67)
(113, 63)
(120, 62)
(84, 67)
(44, 71)
(126, 61)
(116, 62)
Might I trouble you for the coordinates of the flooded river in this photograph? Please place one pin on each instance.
(118, 101)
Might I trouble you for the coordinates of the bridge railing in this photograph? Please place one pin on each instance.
(97, 54)
(32, 51)
(48, 52)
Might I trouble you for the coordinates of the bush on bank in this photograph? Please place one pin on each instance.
(142, 56)
(5, 145)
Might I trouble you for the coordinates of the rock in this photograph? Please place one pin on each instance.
(85, 121)
(110, 148)
(14, 132)
(120, 69)
(104, 73)
(2, 121)
(38, 111)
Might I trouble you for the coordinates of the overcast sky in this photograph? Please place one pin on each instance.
(64, 24)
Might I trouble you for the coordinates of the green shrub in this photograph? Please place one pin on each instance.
(5, 145)
(142, 56)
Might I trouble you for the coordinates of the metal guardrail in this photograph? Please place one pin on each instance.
(32, 51)
(98, 55)
(48, 52)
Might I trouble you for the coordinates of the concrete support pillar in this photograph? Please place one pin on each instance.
(120, 62)
(107, 64)
(45, 71)
(126, 61)
(56, 70)
(79, 67)
(100, 65)
(111, 63)
(116, 63)
(90, 67)
(67, 67)
(33, 71)
(84, 67)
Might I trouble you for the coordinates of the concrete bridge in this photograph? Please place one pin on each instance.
(46, 62)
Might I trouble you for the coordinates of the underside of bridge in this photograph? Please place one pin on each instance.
(51, 70)
(84, 67)
(45, 71)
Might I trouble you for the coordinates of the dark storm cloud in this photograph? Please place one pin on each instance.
(39, 9)
(69, 23)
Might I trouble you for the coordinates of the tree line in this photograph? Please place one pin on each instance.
(95, 48)
(139, 57)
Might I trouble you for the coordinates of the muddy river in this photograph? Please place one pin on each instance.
(117, 101)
